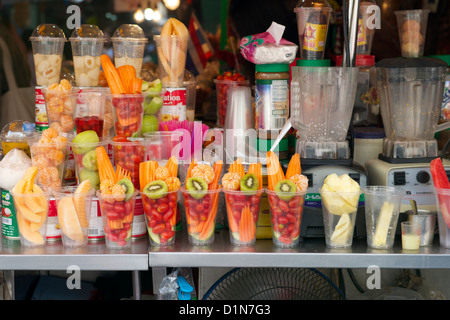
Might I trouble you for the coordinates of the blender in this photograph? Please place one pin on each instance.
(322, 101)
(410, 91)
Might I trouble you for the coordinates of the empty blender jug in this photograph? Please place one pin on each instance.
(410, 92)
(322, 101)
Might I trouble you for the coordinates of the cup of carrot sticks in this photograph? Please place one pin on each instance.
(242, 198)
(159, 189)
(201, 199)
(286, 193)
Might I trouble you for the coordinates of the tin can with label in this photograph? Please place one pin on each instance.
(10, 230)
(139, 229)
(96, 231)
(53, 228)
(41, 119)
(174, 104)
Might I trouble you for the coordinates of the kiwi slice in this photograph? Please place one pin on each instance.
(129, 188)
(156, 189)
(285, 189)
(249, 182)
(197, 187)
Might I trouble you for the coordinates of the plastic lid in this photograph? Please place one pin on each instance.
(273, 67)
(368, 133)
(312, 4)
(362, 60)
(129, 32)
(313, 63)
(444, 57)
(87, 32)
(48, 31)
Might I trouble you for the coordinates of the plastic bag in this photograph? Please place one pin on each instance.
(268, 47)
(178, 285)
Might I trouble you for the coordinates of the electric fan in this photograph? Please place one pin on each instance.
(274, 284)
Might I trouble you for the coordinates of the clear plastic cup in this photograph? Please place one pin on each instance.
(60, 106)
(164, 144)
(74, 213)
(128, 153)
(201, 211)
(128, 111)
(286, 215)
(171, 52)
(50, 158)
(15, 135)
(191, 87)
(312, 23)
(339, 214)
(365, 33)
(47, 42)
(161, 217)
(85, 159)
(117, 215)
(87, 46)
(412, 29)
(242, 212)
(222, 87)
(129, 43)
(32, 214)
(90, 110)
(382, 208)
(410, 235)
(443, 215)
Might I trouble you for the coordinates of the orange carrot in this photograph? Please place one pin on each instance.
(191, 166)
(240, 167)
(172, 166)
(143, 174)
(217, 171)
(136, 85)
(105, 167)
(111, 75)
(122, 173)
(274, 171)
(231, 222)
(294, 166)
(127, 73)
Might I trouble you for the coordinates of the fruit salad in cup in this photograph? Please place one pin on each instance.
(242, 197)
(286, 198)
(160, 200)
(128, 113)
(201, 198)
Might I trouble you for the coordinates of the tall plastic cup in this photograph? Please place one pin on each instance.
(129, 43)
(171, 52)
(163, 144)
(87, 46)
(312, 22)
(90, 110)
(412, 29)
(60, 107)
(47, 41)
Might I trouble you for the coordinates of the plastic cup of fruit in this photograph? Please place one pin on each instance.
(382, 206)
(222, 87)
(32, 213)
(128, 114)
(412, 29)
(50, 159)
(339, 214)
(117, 216)
(85, 159)
(74, 213)
(171, 63)
(242, 231)
(286, 215)
(201, 212)
(128, 153)
(60, 107)
(90, 110)
(161, 145)
(161, 217)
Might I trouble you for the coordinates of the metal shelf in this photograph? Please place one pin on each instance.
(309, 253)
(95, 256)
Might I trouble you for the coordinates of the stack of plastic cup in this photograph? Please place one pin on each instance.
(47, 41)
(129, 43)
(87, 46)
(412, 28)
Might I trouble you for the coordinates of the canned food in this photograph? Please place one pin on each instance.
(10, 229)
(95, 231)
(139, 228)
(53, 232)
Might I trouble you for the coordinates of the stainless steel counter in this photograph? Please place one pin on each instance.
(309, 253)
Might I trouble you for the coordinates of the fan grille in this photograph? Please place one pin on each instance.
(274, 284)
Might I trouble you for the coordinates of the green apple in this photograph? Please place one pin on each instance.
(152, 88)
(91, 175)
(84, 138)
(152, 105)
(89, 160)
(149, 123)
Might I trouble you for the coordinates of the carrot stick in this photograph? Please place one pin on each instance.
(105, 167)
(217, 171)
(294, 166)
(191, 166)
(111, 75)
(231, 222)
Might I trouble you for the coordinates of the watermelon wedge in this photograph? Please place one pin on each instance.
(442, 188)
